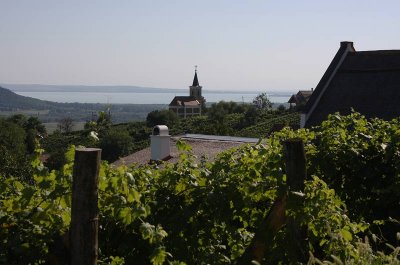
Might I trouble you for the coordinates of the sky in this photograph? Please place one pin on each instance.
(254, 45)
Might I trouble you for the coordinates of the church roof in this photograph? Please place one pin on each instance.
(179, 101)
(195, 80)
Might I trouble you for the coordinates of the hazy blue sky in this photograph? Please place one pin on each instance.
(238, 45)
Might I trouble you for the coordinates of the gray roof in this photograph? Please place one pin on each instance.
(208, 146)
(366, 81)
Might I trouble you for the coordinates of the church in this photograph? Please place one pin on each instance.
(186, 106)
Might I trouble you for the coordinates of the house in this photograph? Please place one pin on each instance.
(366, 81)
(163, 147)
(186, 106)
(301, 98)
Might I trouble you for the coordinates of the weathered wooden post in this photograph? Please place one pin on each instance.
(296, 173)
(295, 161)
(84, 210)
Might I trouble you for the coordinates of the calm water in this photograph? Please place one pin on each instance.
(142, 98)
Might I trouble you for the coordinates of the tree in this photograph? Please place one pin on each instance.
(33, 123)
(114, 144)
(262, 101)
(14, 159)
(18, 119)
(33, 129)
(104, 119)
(250, 117)
(161, 117)
(281, 108)
(65, 125)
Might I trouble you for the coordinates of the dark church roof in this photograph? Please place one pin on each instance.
(185, 101)
(195, 80)
(366, 81)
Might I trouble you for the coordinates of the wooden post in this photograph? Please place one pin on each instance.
(84, 210)
(295, 160)
(296, 173)
(265, 234)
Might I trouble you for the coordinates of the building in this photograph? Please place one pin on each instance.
(163, 147)
(366, 81)
(301, 98)
(186, 106)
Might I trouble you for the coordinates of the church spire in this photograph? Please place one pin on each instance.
(195, 80)
(195, 89)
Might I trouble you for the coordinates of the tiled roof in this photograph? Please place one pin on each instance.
(184, 101)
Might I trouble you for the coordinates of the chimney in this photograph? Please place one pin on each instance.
(160, 143)
(347, 45)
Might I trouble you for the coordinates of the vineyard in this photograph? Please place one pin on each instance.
(262, 129)
(209, 212)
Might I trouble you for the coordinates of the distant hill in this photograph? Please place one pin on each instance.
(80, 88)
(11, 103)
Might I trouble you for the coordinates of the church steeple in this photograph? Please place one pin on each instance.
(195, 88)
(195, 80)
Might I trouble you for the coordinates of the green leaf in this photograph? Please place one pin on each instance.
(346, 234)
(147, 230)
(133, 195)
(125, 215)
(183, 146)
(158, 256)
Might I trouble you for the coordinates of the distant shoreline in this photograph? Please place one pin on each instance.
(122, 89)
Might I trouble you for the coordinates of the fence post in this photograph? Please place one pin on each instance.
(296, 173)
(84, 210)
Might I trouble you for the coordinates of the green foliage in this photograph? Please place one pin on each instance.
(230, 118)
(262, 101)
(33, 216)
(12, 137)
(65, 125)
(281, 108)
(18, 140)
(207, 213)
(114, 144)
(104, 119)
(266, 122)
(218, 110)
(360, 160)
(115, 140)
(33, 123)
(161, 117)
(57, 144)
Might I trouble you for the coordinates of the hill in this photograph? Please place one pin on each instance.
(10, 101)
(47, 111)
(82, 88)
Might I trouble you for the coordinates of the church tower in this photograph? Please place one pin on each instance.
(192, 105)
(195, 88)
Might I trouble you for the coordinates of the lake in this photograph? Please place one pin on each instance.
(145, 98)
